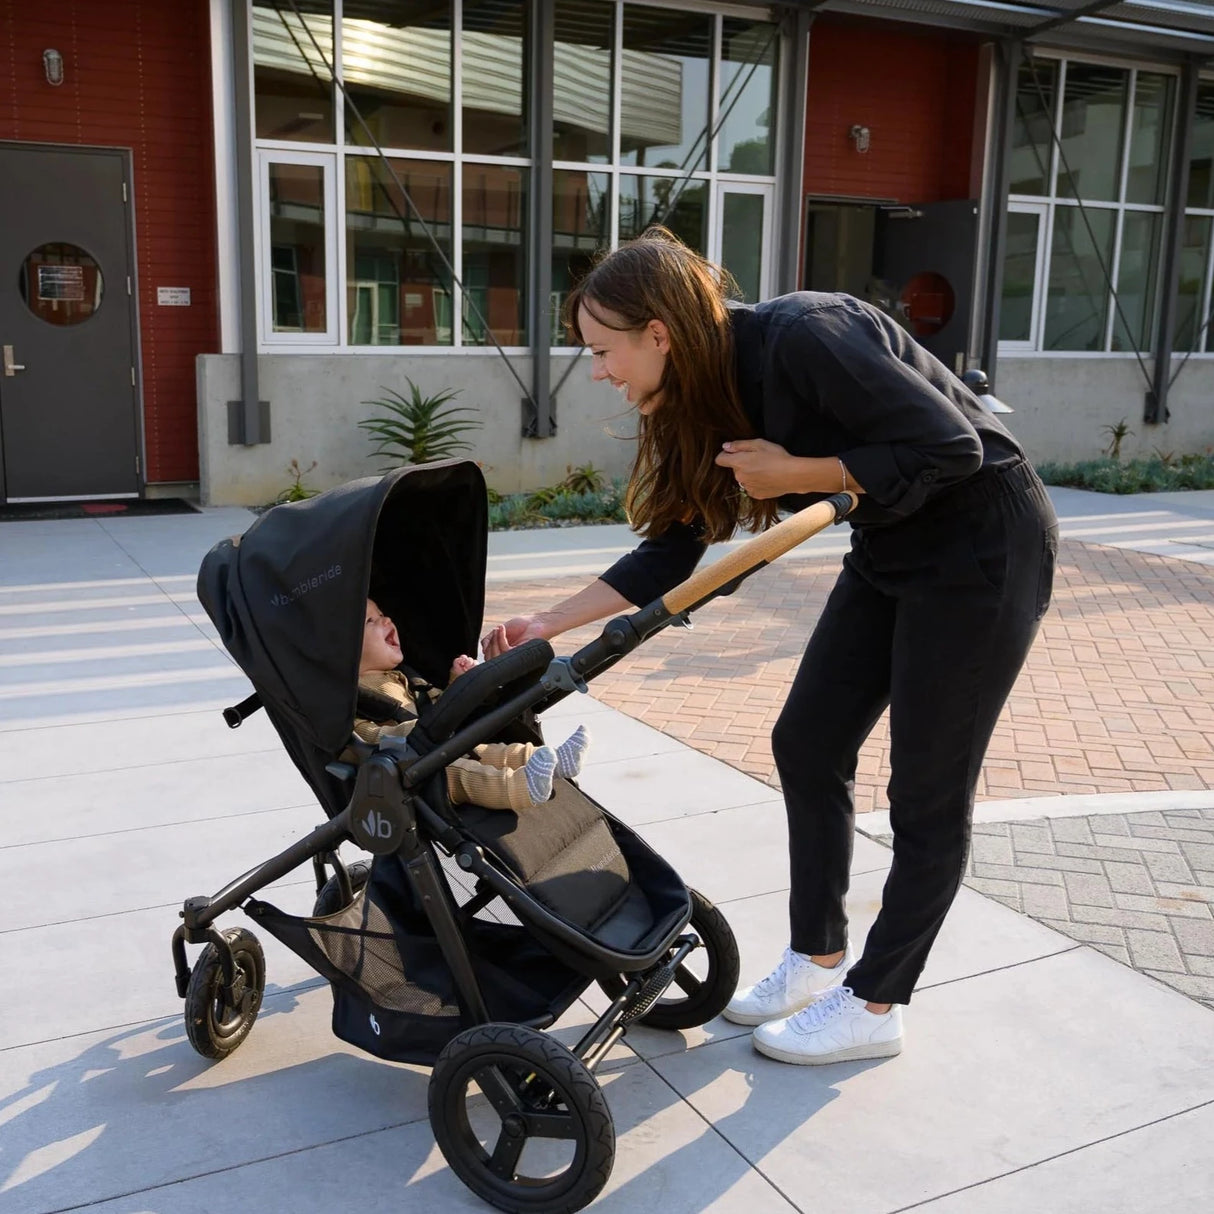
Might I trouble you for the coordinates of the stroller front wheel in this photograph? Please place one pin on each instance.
(704, 983)
(215, 1027)
(521, 1120)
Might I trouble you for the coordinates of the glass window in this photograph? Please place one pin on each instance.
(297, 248)
(742, 241)
(748, 97)
(581, 90)
(1077, 305)
(396, 65)
(397, 288)
(1201, 154)
(1194, 254)
(1093, 124)
(494, 84)
(581, 227)
(292, 89)
(60, 283)
(664, 88)
(680, 205)
(1019, 276)
(495, 263)
(1146, 176)
(1032, 136)
(1137, 278)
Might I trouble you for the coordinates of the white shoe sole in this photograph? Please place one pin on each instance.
(854, 1053)
(751, 1019)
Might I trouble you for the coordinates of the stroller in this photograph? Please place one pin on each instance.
(469, 931)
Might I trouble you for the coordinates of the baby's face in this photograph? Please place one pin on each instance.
(381, 645)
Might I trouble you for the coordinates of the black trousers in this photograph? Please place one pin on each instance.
(932, 617)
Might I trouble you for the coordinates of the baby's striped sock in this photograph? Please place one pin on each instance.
(538, 771)
(570, 752)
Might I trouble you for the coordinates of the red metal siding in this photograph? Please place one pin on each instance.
(136, 75)
(914, 90)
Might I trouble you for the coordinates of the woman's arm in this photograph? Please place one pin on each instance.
(594, 602)
(765, 470)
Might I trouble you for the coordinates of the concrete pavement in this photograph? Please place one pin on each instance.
(1038, 1072)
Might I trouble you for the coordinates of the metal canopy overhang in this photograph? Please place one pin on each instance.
(1172, 29)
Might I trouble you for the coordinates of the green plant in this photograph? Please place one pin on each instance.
(584, 479)
(1117, 435)
(418, 428)
(297, 491)
(1134, 476)
(1166, 458)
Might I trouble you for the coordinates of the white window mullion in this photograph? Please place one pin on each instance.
(457, 172)
(1114, 271)
(617, 71)
(1051, 186)
(1041, 296)
(337, 216)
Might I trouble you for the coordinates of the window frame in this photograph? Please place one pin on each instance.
(1050, 201)
(336, 338)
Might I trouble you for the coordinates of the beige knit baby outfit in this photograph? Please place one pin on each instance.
(493, 779)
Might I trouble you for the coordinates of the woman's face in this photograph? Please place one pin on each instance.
(633, 360)
(381, 645)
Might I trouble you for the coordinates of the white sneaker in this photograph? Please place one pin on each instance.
(836, 1027)
(787, 989)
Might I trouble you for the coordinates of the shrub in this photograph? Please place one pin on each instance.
(418, 428)
(1134, 476)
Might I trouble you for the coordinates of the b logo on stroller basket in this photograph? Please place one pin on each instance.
(374, 1024)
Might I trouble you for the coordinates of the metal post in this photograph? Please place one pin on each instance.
(1155, 410)
(1010, 56)
(791, 170)
(249, 417)
(538, 419)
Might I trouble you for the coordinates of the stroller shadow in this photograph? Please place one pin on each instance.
(139, 1109)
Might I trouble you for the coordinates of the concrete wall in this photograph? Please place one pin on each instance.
(315, 407)
(1062, 405)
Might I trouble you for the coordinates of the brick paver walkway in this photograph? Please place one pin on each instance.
(1117, 695)
(1135, 886)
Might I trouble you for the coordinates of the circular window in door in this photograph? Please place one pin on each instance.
(927, 302)
(60, 283)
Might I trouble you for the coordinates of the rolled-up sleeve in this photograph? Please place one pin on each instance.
(656, 565)
(912, 440)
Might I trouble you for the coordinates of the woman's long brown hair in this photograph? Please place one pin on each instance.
(674, 478)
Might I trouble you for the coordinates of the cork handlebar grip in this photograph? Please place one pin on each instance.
(761, 550)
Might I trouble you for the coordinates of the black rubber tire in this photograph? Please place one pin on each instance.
(525, 1076)
(214, 1028)
(329, 901)
(700, 999)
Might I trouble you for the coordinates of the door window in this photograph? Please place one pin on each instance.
(60, 283)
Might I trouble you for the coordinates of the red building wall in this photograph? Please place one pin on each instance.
(136, 75)
(916, 92)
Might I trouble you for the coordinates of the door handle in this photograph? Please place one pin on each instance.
(10, 367)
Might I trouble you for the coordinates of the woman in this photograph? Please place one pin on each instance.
(744, 409)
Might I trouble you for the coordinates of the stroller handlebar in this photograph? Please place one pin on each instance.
(757, 552)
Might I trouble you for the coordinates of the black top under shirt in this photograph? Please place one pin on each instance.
(830, 375)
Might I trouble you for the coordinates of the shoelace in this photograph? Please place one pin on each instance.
(826, 1007)
(777, 978)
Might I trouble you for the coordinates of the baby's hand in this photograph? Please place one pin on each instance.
(461, 665)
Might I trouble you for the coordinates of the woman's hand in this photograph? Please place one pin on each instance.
(762, 469)
(513, 632)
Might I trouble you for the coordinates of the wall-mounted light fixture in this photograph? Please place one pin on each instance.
(52, 65)
(860, 136)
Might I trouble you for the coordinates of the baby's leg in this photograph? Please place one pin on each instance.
(505, 754)
(502, 787)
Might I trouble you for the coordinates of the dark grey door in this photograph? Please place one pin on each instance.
(926, 253)
(69, 405)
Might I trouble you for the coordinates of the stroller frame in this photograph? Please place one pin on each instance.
(389, 813)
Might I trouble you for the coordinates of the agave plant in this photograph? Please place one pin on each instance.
(416, 429)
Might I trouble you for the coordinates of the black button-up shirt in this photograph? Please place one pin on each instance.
(829, 375)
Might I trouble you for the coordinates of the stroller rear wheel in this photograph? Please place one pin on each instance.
(521, 1120)
(214, 1026)
(329, 901)
(704, 983)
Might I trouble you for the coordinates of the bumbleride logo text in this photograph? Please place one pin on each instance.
(309, 583)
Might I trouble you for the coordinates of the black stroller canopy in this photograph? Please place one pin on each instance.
(289, 596)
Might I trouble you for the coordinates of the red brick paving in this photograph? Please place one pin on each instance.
(1117, 695)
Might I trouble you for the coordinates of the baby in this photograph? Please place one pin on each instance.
(503, 775)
